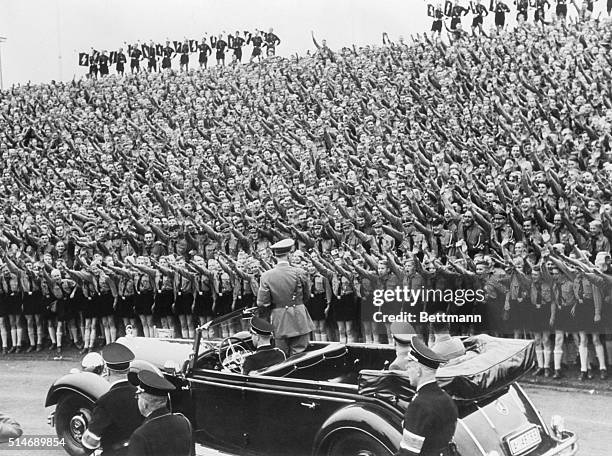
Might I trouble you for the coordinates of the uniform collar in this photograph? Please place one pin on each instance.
(118, 383)
(283, 263)
(425, 384)
(264, 347)
(157, 413)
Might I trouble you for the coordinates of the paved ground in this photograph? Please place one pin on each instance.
(24, 382)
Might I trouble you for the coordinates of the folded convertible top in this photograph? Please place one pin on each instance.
(489, 365)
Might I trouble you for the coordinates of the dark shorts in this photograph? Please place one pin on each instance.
(220, 55)
(436, 26)
(454, 22)
(4, 306)
(203, 304)
(238, 54)
(89, 307)
(163, 303)
(13, 303)
(184, 59)
(56, 308)
(166, 63)
(316, 306)
(477, 21)
(224, 304)
(564, 320)
(585, 317)
(245, 301)
(125, 307)
(538, 320)
(33, 304)
(183, 303)
(134, 63)
(120, 68)
(256, 52)
(143, 302)
(203, 58)
(104, 305)
(344, 309)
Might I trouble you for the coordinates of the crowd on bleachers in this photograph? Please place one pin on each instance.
(159, 57)
(151, 200)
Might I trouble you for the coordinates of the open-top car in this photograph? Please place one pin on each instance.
(333, 399)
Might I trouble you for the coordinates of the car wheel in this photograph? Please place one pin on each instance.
(72, 417)
(356, 444)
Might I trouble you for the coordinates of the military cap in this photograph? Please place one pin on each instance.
(137, 366)
(261, 327)
(117, 356)
(424, 355)
(154, 384)
(282, 246)
(402, 332)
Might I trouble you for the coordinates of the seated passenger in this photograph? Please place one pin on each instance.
(444, 344)
(401, 331)
(266, 355)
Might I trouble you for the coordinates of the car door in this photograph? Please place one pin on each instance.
(219, 401)
(284, 415)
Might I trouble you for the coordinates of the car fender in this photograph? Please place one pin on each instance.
(87, 384)
(376, 421)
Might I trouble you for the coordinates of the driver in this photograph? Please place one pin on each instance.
(115, 414)
(266, 355)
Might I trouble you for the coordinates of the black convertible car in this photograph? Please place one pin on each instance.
(333, 399)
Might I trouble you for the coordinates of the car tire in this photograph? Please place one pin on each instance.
(356, 444)
(72, 416)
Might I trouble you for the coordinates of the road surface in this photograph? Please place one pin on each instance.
(24, 383)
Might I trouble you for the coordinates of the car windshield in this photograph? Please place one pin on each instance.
(230, 323)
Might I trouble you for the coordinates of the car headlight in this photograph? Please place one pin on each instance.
(557, 425)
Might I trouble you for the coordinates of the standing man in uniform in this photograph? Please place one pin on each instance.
(163, 433)
(285, 289)
(266, 355)
(431, 416)
(115, 415)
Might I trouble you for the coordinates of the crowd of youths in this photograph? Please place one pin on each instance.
(151, 200)
(525, 10)
(160, 57)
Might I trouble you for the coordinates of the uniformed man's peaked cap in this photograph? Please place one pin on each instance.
(283, 246)
(261, 327)
(117, 356)
(425, 355)
(154, 384)
(402, 332)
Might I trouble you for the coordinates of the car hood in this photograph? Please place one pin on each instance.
(159, 351)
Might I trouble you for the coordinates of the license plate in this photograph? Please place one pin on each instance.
(523, 442)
